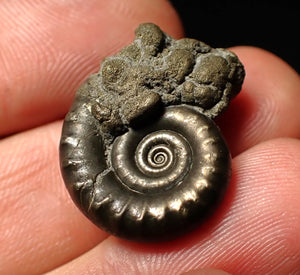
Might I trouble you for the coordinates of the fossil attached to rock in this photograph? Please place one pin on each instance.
(139, 152)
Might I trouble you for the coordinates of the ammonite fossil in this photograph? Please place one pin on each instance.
(139, 152)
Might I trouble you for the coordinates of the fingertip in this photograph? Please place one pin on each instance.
(252, 57)
(268, 100)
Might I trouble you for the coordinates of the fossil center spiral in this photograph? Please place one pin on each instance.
(160, 156)
(155, 153)
(158, 159)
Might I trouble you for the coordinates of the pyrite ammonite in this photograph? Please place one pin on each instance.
(139, 152)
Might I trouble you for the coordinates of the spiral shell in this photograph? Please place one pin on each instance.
(139, 156)
(160, 180)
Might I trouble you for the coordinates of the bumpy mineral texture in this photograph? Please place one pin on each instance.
(157, 70)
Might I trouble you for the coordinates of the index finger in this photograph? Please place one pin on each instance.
(267, 107)
(48, 48)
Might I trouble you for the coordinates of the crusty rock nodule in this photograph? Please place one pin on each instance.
(157, 70)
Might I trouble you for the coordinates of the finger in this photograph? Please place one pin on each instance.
(48, 48)
(255, 230)
(40, 226)
(268, 105)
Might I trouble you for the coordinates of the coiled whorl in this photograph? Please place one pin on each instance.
(158, 181)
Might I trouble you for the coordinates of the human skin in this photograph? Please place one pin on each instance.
(47, 48)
